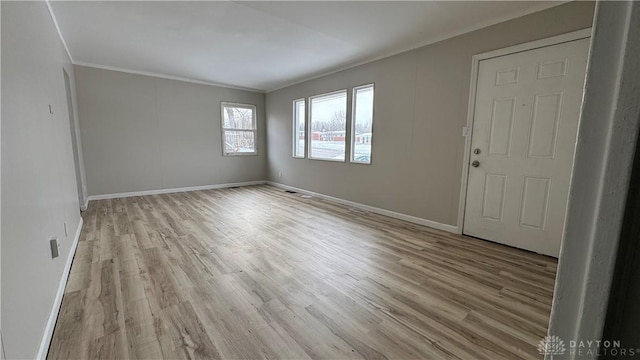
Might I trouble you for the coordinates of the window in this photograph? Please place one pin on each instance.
(238, 129)
(328, 126)
(362, 124)
(298, 128)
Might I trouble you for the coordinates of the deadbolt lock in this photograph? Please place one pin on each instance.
(476, 151)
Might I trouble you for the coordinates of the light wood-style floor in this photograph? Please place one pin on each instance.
(256, 272)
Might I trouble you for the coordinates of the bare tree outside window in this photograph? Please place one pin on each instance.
(239, 129)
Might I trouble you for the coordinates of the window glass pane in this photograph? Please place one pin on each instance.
(239, 142)
(362, 124)
(298, 128)
(328, 123)
(237, 117)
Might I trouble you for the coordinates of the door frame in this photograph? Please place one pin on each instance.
(76, 143)
(467, 131)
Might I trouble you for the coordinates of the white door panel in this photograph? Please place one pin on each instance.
(525, 126)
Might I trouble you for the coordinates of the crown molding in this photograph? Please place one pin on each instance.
(55, 23)
(534, 9)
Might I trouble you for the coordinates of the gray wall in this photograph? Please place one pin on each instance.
(420, 109)
(38, 180)
(145, 133)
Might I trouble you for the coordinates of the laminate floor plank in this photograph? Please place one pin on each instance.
(256, 272)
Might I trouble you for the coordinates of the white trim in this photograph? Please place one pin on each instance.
(309, 139)
(53, 317)
(240, 105)
(55, 23)
(352, 136)
(294, 140)
(168, 77)
(468, 131)
(85, 206)
(554, 40)
(389, 213)
(223, 130)
(539, 7)
(173, 190)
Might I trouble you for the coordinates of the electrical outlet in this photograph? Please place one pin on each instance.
(66, 232)
(279, 174)
(55, 248)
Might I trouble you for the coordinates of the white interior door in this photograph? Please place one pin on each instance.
(525, 125)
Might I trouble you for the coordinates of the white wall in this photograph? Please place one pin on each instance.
(420, 109)
(145, 133)
(38, 181)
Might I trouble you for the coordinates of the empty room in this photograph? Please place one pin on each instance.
(320, 180)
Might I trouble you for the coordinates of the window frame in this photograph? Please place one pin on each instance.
(295, 131)
(353, 122)
(346, 128)
(223, 130)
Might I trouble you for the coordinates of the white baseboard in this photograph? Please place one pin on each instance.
(173, 190)
(48, 333)
(85, 206)
(389, 213)
(51, 323)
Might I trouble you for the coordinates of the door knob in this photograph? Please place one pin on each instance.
(475, 163)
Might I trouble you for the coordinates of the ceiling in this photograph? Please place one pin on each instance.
(262, 45)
